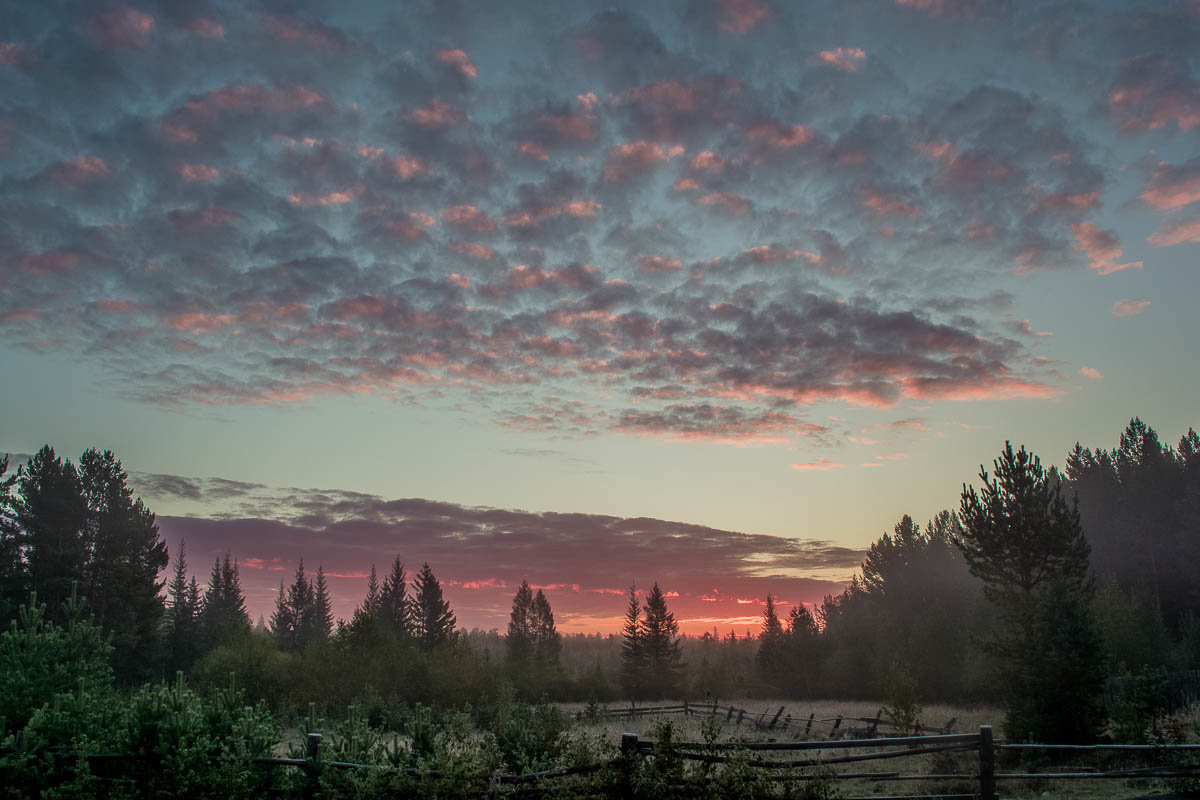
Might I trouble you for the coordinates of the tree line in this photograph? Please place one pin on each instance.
(1038, 582)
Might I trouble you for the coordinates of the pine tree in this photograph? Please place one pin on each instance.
(371, 603)
(322, 609)
(771, 656)
(633, 655)
(182, 624)
(519, 642)
(50, 513)
(1026, 543)
(660, 645)
(434, 621)
(547, 644)
(283, 620)
(223, 615)
(394, 608)
(14, 578)
(126, 556)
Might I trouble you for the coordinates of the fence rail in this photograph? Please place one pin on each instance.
(633, 748)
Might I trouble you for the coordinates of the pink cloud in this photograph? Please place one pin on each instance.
(707, 161)
(468, 217)
(1102, 248)
(820, 465)
(122, 28)
(198, 322)
(459, 61)
(437, 114)
(534, 150)
(731, 203)
(627, 160)
(117, 306)
(408, 167)
(659, 264)
(1173, 187)
(1090, 372)
(939, 8)
(1183, 231)
(78, 171)
(1151, 92)
(1064, 202)
(1127, 308)
(335, 198)
(739, 16)
(291, 30)
(572, 125)
(780, 136)
(461, 281)
(843, 58)
(251, 97)
(50, 262)
(885, 204)
(19, 315)
(208, 28)
(473, 250)
(198, 173)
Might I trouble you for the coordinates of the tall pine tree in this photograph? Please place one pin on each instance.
(633, 651)
(395, 612)
(547, 643)
(51, 514)
(183, 616)
(660, 645)
(223, 614)
(434, 621)
(519, 641)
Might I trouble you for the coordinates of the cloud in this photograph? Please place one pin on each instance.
(844, 58)
(1169, 234)
(819, 465)
(480, 553)
(627, 160)
(740, 16)
(1127, 308)
(1151, 91)
(1173, 187)
(1090, 372)
(1102, 248)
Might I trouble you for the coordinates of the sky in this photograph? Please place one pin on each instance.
(702, 292)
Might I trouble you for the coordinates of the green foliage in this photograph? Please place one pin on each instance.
(900, 695)
(40, 660)
(1142, 706)
(433, 621)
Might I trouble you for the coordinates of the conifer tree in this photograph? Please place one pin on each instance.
(371, 603)
(394, 608)
(50, 513)
(771, 655)
(660, 645)
(223, 615)
(633, 656)
(519, 641)
(182, 625)
(14, 579)
(547, 643)
(433, 620)
(126, 556)
(283, 620)
(322, 609)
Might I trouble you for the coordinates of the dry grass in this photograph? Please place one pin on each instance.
(967, 720)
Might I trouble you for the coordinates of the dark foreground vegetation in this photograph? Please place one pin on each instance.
(1068, 597)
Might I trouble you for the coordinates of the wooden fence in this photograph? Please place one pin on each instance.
(767, 756)
(838, 727)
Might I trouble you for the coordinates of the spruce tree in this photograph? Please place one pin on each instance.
(771, 656)
(633, 655)
(433, 620)
(283, 620)
(371, 603)
(394, 607)
(50, 513)
(183, 629)
(223, 615)
(547, 644)
(660, 645)
(14, 578)
(322, 608)
(519, 641)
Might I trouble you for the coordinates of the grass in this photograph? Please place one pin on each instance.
(967, 720)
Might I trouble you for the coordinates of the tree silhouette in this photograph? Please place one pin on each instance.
(633, 653)
(772, 645)
(395, 610)
(547, 644)
(519, 641)
(322, 609)
(14, 577)
(1026, 543)
(183, 616)
(223, 613)
(660, 645)
(51, 514)
(434, 621)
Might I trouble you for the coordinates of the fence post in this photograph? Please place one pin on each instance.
(312, 750)
(836, 724)
(629, 754)
(686, 711)
(741, 713)
(729, 716)
(778, 714)
(808, 727)
(875, 725)
(987, 764)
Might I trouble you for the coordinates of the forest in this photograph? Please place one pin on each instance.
(1042, 592)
